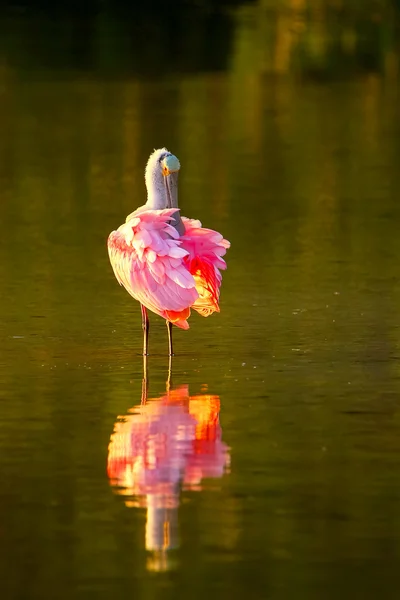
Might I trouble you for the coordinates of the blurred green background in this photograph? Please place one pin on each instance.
(285, 116)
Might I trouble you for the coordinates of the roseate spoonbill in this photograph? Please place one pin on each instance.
(168, 263)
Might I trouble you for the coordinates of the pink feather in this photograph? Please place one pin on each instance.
(167, 273)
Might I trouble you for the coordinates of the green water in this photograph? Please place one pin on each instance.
(289, 140)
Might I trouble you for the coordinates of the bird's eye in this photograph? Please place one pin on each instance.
(163, 156)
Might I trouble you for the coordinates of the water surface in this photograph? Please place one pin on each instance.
(288, 135)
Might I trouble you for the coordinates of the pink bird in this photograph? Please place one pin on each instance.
(168, 263)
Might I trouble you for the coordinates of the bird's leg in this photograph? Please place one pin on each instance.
(145, 327)
(145, 381)
(169, 382)
(169, 327)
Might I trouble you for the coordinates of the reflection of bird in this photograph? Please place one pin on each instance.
(161, 445)
(168, 263)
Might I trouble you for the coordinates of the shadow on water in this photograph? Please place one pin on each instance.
(317, 40)
(162, 446)
(148, 40)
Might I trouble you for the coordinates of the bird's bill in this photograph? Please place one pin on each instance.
(171, 186)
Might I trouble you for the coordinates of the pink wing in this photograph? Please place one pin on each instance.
(205, 249)
(149, 261)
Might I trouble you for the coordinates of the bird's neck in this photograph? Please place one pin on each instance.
(157, 198)
(156, 193)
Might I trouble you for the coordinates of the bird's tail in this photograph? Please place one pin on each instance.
(208, 281)
(178, 318)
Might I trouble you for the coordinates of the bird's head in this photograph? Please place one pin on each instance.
(162, 172)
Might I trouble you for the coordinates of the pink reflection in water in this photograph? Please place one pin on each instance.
(162, 445)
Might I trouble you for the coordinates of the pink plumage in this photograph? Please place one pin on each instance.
(168, 263)
(165, 272)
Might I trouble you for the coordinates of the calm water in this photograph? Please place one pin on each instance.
(271, 467)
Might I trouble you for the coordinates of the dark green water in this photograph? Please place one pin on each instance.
(288, 134)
